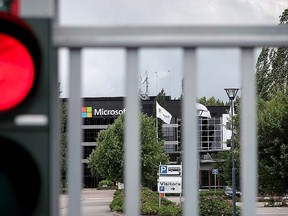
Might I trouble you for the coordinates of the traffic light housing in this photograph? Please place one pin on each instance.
(27, 72)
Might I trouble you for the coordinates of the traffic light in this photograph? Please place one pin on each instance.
(26, 108)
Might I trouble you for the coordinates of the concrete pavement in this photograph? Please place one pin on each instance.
(93, 203)
(96, 203)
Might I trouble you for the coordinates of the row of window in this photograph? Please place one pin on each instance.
(210, 134)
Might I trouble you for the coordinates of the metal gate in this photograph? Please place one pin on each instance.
(189, 39)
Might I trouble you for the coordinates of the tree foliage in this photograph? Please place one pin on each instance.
(272, 68)
(273, 144)
(210, 101)
(272, 75)
(107, 159)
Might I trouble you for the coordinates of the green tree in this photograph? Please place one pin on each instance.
(263, 74)
(210, 101)
(107, 159)
(272, 67)
(273, 144)
(272, 75)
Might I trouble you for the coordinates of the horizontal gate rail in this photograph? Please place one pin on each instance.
(195, 36)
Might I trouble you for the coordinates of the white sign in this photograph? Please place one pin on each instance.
(215, 171)
(170, 170)
(170, 184)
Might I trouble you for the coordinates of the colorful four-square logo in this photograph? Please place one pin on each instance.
(86, 112)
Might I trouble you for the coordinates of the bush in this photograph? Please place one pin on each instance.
(106, 184)
(215, 205)
(209, 204)
(149, 204)
(170, 210)
(117, 204)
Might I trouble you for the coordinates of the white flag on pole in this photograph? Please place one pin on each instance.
(163, 114)
(202, 110)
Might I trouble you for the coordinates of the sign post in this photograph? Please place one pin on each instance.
(215, 172)
(169, 180)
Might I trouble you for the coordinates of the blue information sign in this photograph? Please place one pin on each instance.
(163, 169)
(215, 171)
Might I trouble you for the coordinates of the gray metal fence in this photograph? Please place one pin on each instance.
(189, 39)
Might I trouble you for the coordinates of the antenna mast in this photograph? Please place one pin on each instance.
(145, 96)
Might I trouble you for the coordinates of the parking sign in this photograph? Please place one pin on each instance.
(163, 169)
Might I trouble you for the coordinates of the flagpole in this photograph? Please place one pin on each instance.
(157, 128)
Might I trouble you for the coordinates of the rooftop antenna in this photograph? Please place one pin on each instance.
(169, 82)
(147, 84)
(156, 72)
(145, 96)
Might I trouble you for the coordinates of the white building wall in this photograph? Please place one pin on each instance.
(226, 134)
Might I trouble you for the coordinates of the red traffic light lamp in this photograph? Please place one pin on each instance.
(17, 72)
(19, 62)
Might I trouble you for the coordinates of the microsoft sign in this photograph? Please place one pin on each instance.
(87, 112)
(104, 112)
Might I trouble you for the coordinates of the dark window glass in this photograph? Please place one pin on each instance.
(87, 150)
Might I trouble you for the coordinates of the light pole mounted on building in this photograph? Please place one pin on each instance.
(232, 92)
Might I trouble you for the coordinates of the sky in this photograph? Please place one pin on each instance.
(103, 70)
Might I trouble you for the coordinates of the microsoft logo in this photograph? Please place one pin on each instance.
(86, 112)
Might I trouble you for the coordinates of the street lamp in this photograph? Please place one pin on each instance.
(232, 92)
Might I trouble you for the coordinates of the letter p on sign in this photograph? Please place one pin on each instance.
(163, 169)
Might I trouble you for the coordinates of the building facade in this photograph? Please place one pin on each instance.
(98, 113)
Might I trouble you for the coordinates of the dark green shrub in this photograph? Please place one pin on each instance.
(170, 210)
(166, 202)
(149, 202)
(147, 208)
(117, 204)
(106, 184)
(209, 204)
(215, 205)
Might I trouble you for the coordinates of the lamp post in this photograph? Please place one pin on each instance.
(232, 92)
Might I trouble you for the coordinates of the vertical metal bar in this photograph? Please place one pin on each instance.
(54, 124)
(190, 135)
(74, 135)
(56, 12)
(132, 136)
(249, 160)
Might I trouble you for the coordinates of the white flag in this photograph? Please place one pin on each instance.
(202, 110)
(163, 114)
